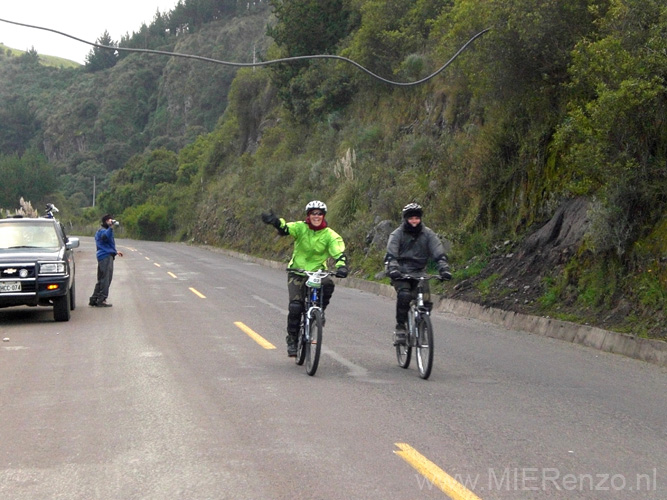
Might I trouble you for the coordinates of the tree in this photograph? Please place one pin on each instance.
(613, 139)
(307, 27)
(18, 125)
(101, 58)
(140, 178)
(385, 35)
(30, 57)
(310, 27)
(29, 176)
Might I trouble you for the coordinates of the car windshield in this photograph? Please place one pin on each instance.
(28, 236)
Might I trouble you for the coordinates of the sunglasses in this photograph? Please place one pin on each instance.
(316, 213)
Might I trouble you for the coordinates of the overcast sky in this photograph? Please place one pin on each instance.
(84, 19)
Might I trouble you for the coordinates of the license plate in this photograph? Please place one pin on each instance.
(10, 286)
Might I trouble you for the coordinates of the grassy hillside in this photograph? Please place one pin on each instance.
(56, 62)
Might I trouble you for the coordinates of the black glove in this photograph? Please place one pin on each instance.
(342, 272)
(270, 218)
(395, 274)
(445, 273)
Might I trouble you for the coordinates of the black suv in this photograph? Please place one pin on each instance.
(37, 265)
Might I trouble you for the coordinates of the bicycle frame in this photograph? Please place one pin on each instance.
(313, 299)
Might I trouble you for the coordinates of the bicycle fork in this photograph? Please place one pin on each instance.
(311, 305)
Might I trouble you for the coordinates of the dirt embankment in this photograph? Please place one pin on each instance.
(514, 276)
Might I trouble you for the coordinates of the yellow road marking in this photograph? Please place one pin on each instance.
(147, 258)
(156, 264)
(255, 336)
(437, 476)
(171, 274)
(198, 294)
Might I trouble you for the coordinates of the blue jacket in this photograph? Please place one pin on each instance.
(106, 245)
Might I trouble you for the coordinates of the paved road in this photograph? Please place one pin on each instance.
(163, 396)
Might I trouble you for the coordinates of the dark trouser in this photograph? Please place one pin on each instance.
(405, 292)
(296, 288)
(104, 276)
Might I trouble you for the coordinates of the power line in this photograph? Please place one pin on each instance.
(263, 63)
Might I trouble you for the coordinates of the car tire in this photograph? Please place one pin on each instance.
(61, 308)
(72, 297)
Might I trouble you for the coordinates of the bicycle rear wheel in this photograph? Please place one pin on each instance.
(301, 343)
(404, 353)
(424, 347)
(314, 343)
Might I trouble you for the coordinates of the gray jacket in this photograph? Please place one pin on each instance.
(410, 253)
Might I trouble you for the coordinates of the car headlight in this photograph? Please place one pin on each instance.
(52, 268)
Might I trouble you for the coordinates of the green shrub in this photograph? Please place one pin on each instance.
(147, 221)
(485, 285)
(651, 292)
(597, 283)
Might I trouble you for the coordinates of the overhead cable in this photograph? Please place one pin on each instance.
(261, 63)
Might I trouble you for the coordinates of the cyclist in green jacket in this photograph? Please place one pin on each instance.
(314, 243)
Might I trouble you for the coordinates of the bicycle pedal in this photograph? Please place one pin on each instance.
(400, 339)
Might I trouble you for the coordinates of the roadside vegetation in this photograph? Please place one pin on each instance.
(540, 154)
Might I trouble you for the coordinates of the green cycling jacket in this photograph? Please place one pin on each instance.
(313, 248)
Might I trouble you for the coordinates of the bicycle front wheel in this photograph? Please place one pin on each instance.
(314, 343)
(424, 347)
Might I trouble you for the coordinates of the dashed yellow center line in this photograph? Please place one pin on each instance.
(171, 274)
(198, 294)
(156, 264)
(255, 336)
(435, 475)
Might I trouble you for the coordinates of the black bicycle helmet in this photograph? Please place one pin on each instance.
(412, 210)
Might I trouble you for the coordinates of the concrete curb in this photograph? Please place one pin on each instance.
(650, 351)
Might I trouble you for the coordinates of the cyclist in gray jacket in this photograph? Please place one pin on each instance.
(409, 249)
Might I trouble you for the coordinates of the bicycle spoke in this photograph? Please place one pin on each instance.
(404, 352)
(301, 343)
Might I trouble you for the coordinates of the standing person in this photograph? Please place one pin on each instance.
(314, 243)
(106, 253)
(409, 248)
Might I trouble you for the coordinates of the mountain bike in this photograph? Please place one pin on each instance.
(309, 342)
(420, 331)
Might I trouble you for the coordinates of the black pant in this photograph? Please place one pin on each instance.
(405, 292)
(104, 277)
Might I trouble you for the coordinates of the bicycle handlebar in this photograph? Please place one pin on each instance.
(422, 278)
(323, 273)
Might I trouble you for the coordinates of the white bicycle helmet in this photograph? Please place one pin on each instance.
(412, 210)
(316, 205)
